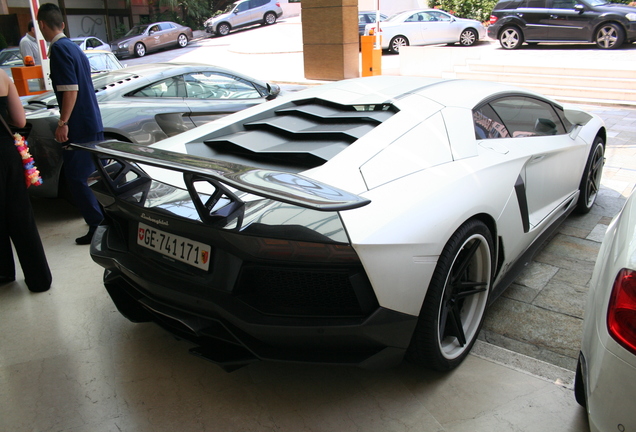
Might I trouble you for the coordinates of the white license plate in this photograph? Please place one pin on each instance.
(176, 247)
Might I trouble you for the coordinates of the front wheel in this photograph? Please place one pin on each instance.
(398, 42)
(182, 40)
(591, 181)
(223, 29)
(468, 37)
(609, 36)
(270, 18)
(510, 38)
(140, 49)
(455, 303)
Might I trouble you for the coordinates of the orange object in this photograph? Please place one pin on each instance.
(29, 80)
(371, 57)
(28, 61)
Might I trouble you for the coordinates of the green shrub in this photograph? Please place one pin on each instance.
(473, 9)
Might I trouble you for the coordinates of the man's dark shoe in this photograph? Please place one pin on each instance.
(86, 239)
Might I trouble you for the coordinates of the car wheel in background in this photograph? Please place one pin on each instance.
(510, 38)
(454, 306)
(223, 29)
(270, 18)
(609, 36)
(591, 181)
(140, 49)
(182, 40)
(468, 37)
(398, 42)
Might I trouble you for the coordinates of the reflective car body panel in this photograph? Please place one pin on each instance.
(10, 57)
(333, 283)
(152, 36)
(607, 370)
(144, 104)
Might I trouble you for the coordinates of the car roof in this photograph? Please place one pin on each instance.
(395, 89)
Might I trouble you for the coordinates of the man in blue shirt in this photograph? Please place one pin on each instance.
(80, 118)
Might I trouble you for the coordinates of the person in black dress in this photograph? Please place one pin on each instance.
(17, 222)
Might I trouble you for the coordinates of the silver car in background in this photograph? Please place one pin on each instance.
(142, 39)
(244, 13)
(144, 104)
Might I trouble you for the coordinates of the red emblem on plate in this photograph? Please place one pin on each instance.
(142, 232)
(205, 256)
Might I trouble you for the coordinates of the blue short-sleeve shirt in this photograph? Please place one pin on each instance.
(71, 71)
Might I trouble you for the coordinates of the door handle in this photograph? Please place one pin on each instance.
(554, 17)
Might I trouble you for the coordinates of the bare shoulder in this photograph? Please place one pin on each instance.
(4, 83)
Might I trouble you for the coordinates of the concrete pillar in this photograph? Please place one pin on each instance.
(330, 39)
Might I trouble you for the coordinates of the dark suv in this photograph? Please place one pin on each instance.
(608, 25)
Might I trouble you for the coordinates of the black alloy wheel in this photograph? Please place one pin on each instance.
(610, 36)
(270, 18)
(140, 49)
(455, 303)
(396, 43)
(591, 181)
(468, 37)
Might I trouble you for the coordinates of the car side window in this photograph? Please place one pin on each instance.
(166, 26)
(488, 125)
(154, 28)
(563, 4)
(440, 16)
(210, 85)
(525, 116)
(414, 18)
(172, 87)
(242, 7)
(537, 4)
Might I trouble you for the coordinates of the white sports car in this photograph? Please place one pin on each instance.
(353, 223)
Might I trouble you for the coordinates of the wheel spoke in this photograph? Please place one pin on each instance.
(467, 257)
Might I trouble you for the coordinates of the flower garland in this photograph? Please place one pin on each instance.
(31, 173)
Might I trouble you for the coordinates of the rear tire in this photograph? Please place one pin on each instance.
(455, 303)
(182, 40)
(270, 18)
(510, 38)
(591, 181)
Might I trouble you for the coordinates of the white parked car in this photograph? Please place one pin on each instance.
(426, 27)
(91, 43)
(606, 373)
(357, 223)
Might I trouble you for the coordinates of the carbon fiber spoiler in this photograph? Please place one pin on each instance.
(281, 186)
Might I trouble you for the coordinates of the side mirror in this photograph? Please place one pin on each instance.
(579, 8)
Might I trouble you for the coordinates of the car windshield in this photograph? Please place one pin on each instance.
(229, 8)
(394, 16)
(136, 30)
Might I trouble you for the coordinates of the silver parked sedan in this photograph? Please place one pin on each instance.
(144, 104)
(426, 27)
(144, 38)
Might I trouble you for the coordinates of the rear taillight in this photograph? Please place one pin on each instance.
(493, 19)
(277, 4)
(621, 313)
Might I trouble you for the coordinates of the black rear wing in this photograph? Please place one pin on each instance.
(281, 186)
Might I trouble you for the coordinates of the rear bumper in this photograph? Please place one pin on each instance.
(231, 332)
